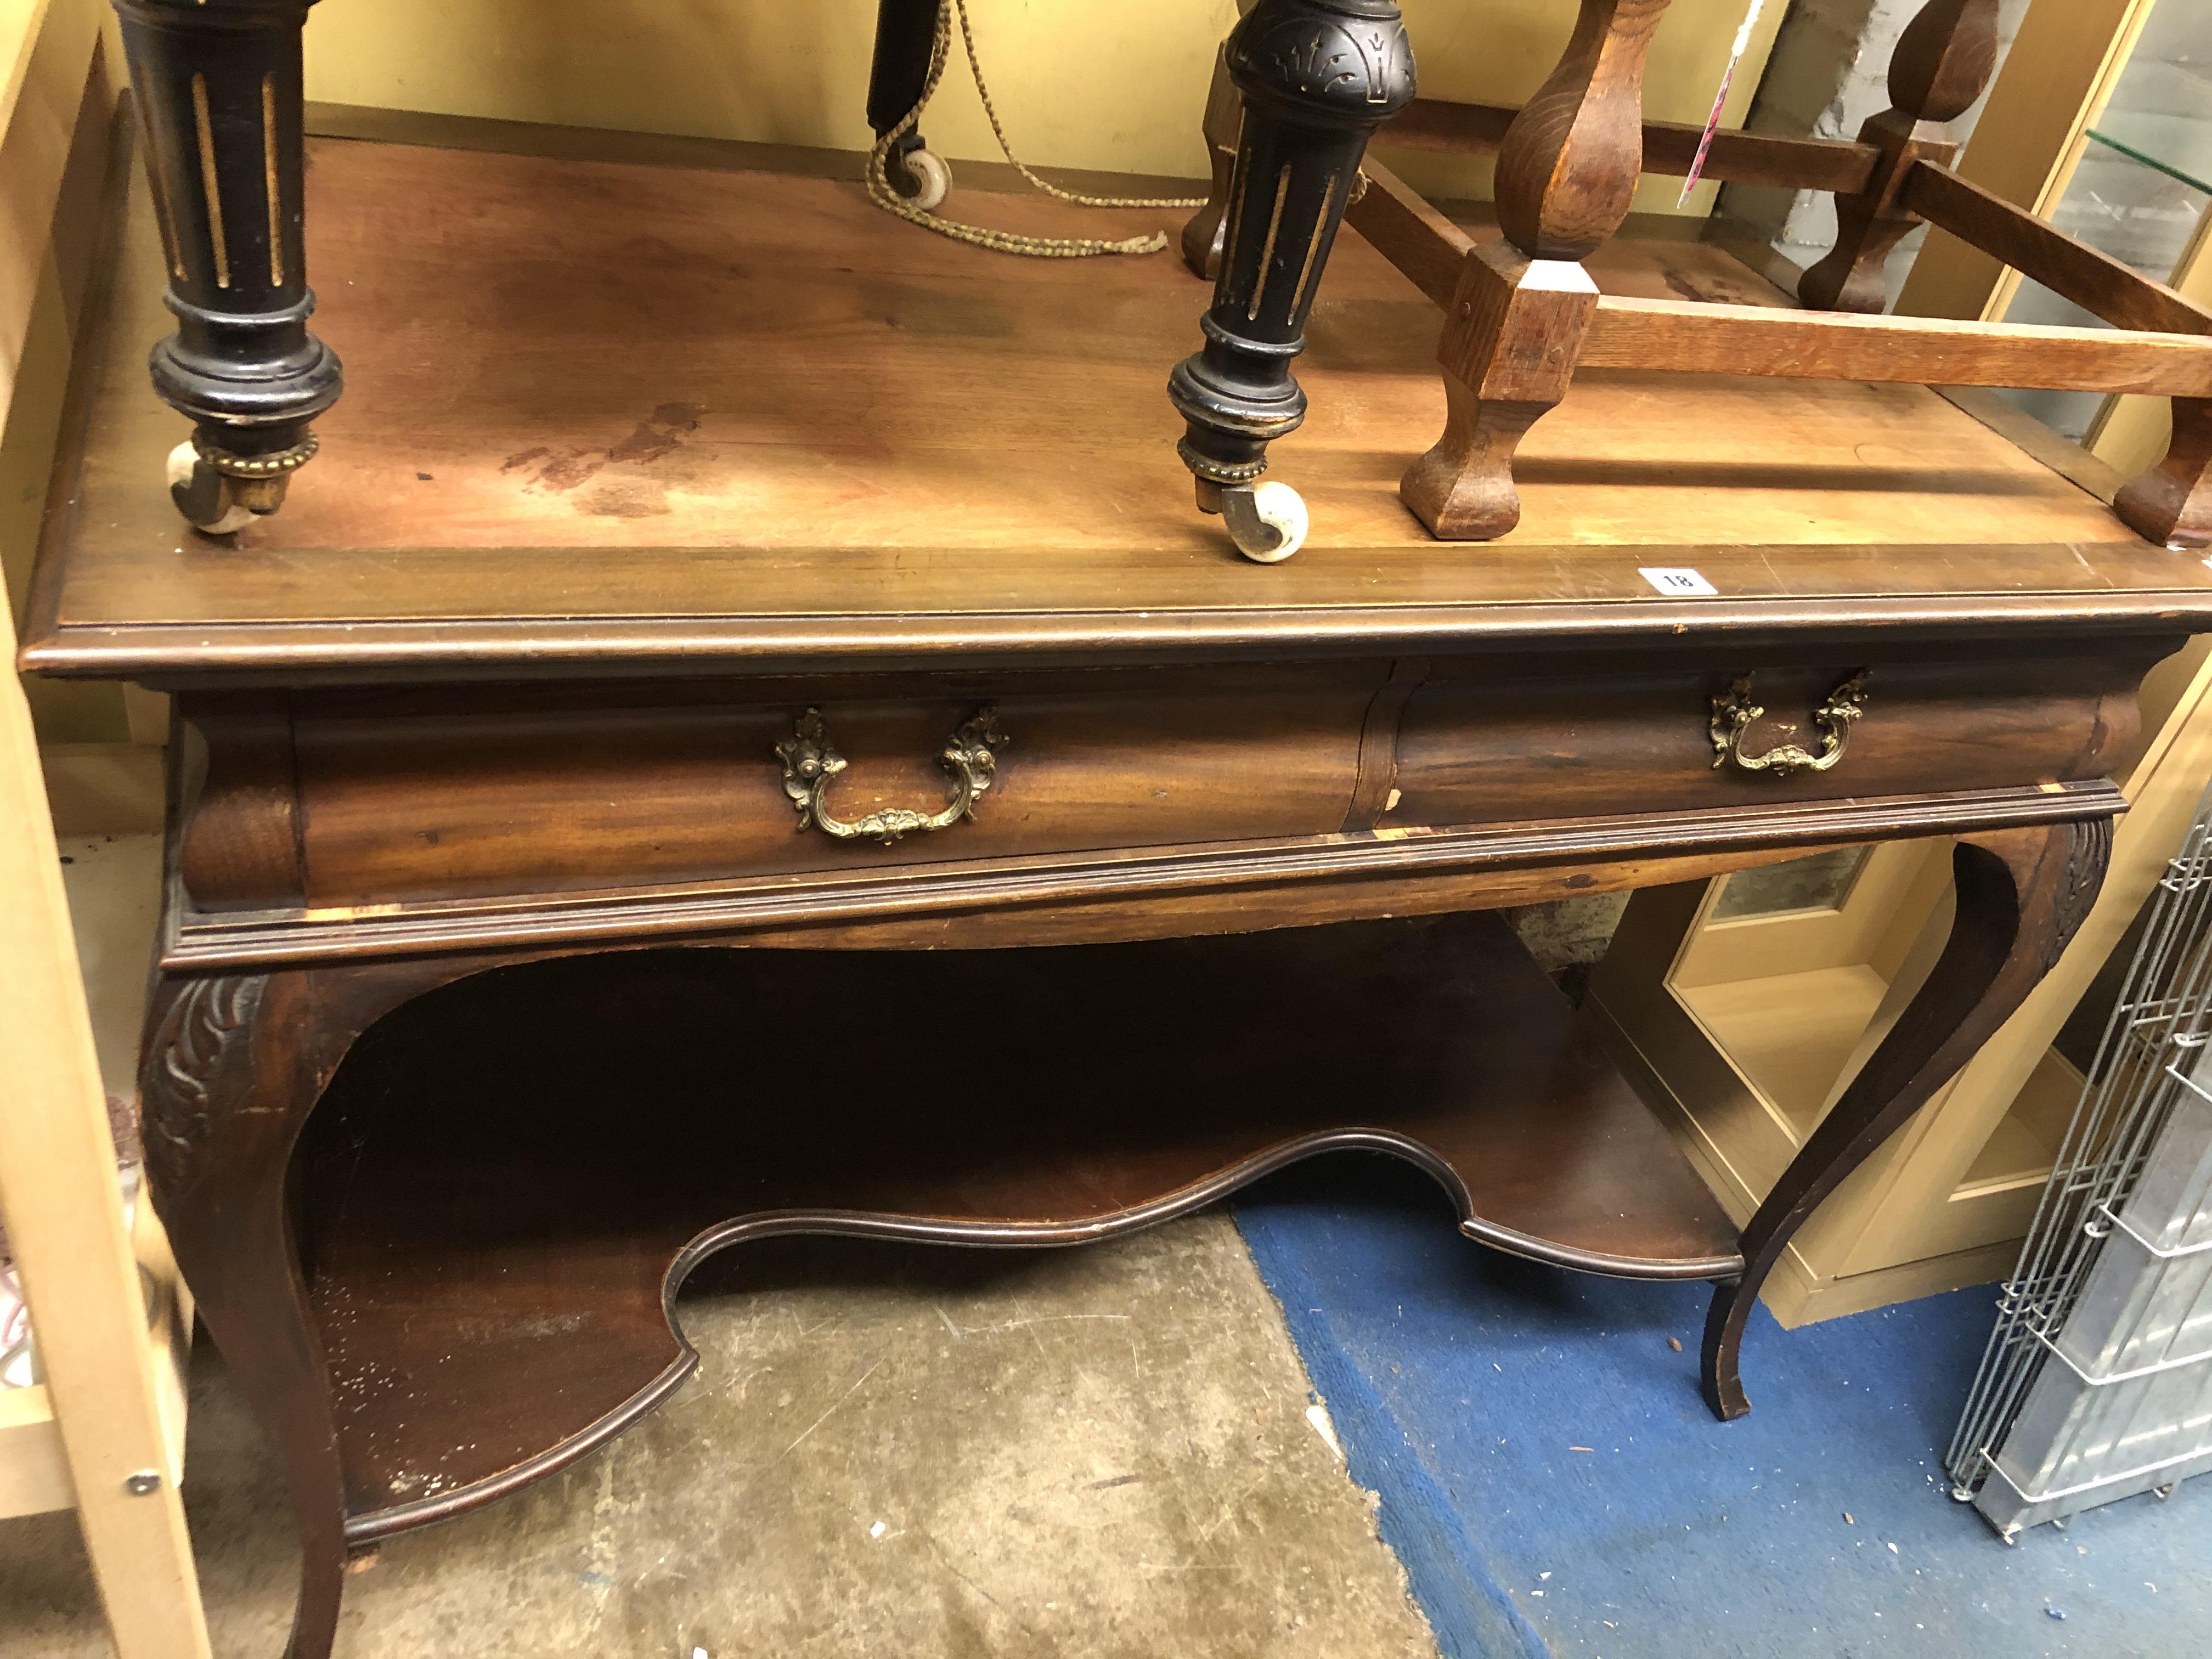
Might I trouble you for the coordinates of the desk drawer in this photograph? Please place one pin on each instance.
(345, 799)
(405, 797)
(1478, 745)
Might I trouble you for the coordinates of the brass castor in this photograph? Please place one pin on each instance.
(220, 494)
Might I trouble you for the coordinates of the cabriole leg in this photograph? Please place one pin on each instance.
(226, 1082)
(1316, 77)
(217, 83)
(2022, 895)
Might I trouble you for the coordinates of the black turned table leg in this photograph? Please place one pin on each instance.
(217, 84)
(2022, 895)
(906, 38)
(1318, 77)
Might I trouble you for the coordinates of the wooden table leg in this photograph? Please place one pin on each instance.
(232, 1067)
(1316, 77)
(1566, 178)
(2022, 894)
(1205, 231)
(1942, 63)
(224, 1088)
(219, 100)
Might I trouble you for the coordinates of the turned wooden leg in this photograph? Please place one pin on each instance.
(906, 40)
(219, 104)
(1508, 353)
(226, 1084)
(1208, 227)
(1316, 77)
(2022, 895)
(1566, 178)
(1943, 62)
(2172, 503)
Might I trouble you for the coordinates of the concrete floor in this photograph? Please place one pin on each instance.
(1103, 1451)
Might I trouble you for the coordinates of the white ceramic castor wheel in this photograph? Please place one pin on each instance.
(1266, 521)
(206, 497)
(930, 179)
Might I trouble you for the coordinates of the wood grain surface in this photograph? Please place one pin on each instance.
(601, 411)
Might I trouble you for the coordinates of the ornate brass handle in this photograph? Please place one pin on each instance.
(809, 762)
(1732, 715)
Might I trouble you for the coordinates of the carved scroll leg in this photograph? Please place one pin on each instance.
(1942, 63)
(1507, 352)
(2022, 894)
(2172, 503)
(1208, 227)
(227, 1083)
(219, 100)
(1316, 77)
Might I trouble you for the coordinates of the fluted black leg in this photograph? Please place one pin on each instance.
(1318, 77)
(217, 83)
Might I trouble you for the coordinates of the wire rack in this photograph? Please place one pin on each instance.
(2162, 1019)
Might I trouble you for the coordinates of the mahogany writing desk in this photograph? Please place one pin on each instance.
(701, 557)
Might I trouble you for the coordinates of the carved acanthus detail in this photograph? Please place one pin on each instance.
(2079, 883)
(182, 1063)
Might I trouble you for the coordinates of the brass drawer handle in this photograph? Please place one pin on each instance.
(1732, 715)
(809, 762)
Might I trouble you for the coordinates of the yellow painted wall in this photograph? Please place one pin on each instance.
(1117, 88)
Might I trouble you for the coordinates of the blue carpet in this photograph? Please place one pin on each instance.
(1463, 1382)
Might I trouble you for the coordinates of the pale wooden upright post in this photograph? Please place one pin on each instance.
(57, 1183)
(1566, 176)
(65, 1215)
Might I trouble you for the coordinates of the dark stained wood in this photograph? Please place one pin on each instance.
(2022, 895)
(705, 448)
(466, 1248)
(1121, 895)
(1374, 790)
(556, 796)
(1500, 746)
(1839, 164)
(230, 1066)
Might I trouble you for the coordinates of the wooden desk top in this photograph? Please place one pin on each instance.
(606, 414)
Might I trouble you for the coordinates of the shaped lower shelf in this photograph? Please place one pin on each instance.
(511, 1176)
